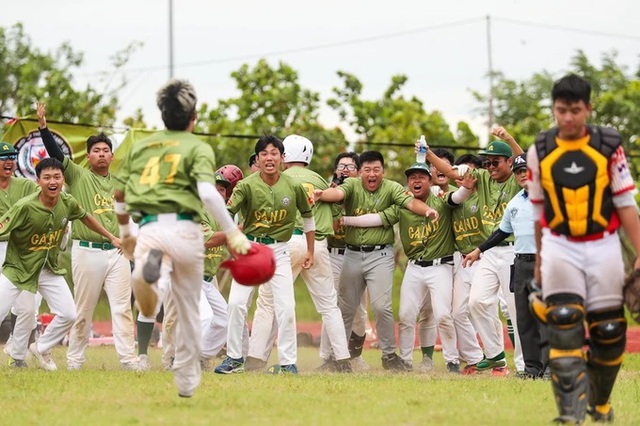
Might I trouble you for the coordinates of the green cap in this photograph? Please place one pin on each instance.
(498, 148)
(221, 180)
(6, 148)
(418, 167)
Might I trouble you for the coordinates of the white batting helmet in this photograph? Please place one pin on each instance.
(297, 149)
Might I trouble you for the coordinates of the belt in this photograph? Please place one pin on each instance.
(148, 218)
(297, 232)
(433, 262)
(335, 250)
(526, 257)
(262, 240)
(583, 238)
(208, 278)
(101, 246)
(505, 244)
(366, 249)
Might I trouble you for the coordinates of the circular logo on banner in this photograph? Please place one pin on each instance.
(31, 151)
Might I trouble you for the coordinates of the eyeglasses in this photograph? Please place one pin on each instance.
(8, 157)
(350, 167)
(520, 170)
(494, 163)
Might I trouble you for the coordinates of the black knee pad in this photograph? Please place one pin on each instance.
(565, 321)
(607, 336)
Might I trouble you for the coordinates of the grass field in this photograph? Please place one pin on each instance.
(101, 394)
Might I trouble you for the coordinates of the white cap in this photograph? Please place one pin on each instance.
(297, 149)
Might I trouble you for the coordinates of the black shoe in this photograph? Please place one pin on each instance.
(394, 363)
(453, 367)
(343, 366)
(151, 269)
(329, 366)
(599, 417)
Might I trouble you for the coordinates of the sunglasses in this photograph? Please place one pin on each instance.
(351, 167)
(8, 157)
(494, 163)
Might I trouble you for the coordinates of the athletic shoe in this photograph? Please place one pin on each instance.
(330, 366)
(151, 269)
(393, 362)
(487, 364)
(426, 365)
(500, 371)
(230, 365)
(74, 367)
(599, 417)
(359, 364)
(16, 363)
(283, 369)
(469, 370)
(453, 367)
(343, 366)
(44, 359)
(144, 363)
(254, 364)
(131, 366)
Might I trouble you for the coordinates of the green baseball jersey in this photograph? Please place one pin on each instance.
(95, 194)
(481, 213)
(160, 174)
(212, 256)
(322, 212)
(18, 188)
(337, 239)
(422, 238)
(269, 211)
(34, 237)
(359, 201)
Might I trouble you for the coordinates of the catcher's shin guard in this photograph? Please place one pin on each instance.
(356, 343)
(607, 331)
(565, 331)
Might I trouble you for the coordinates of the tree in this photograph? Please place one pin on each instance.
(28, 74)
(393, 123)
(271, 101)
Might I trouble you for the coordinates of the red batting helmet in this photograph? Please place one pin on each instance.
(231, 173)
(254, 268)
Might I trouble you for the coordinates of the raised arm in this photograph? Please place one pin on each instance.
(47, 138)
(501, 133)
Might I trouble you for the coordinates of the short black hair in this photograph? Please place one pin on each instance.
(100, 137)
(443, 153)
(266, 140)
(177, 102)
(371, 157)
(253, 158)
(355, 157)
(571, 88)
(469, 159)
(49, 163)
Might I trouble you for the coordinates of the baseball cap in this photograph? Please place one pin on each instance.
(222, 180)
(498, 148)
(418, 167)
(6, 148)
(519, 162)
(252, 159)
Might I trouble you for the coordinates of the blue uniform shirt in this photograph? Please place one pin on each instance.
(518, 220)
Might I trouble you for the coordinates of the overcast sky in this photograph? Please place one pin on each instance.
(444, 58)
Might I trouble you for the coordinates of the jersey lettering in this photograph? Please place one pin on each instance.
(151, 173)
(45, 241)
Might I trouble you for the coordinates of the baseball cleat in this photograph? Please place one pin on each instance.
(598, 416)
(254, 364)
(283, 369)
(453, 367)
(144, 363)
(230, 365)
(151, 268)
(488, 364)
(16, 363)
(469, 370)
(44, 359)
(394, 363)
(500, 371)
(426, 365)
(359, 364)
(343, 366)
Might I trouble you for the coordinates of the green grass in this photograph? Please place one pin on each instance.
(101, 394)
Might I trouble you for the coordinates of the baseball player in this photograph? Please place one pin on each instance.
(35, 226)
(429, 246)
(518, 220)
(96, 263)
(298, 152)
(346, 165)
(269, 201)
(165, 180)
(582, 191)
(11, 190)
(369, 258)
(495, 187)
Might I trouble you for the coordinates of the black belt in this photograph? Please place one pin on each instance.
(366, 248)
(434, 262)
(208, 278)
(340, 251)
(526, 257)
(505, 244)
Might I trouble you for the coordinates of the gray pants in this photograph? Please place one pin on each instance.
(373, 271)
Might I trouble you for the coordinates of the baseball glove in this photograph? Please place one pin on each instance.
(128, 246)
(631, 294)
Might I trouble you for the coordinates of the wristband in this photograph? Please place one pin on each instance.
(124, 230)
(120, 207)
